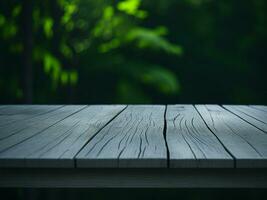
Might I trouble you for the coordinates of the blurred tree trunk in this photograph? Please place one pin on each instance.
(27, 61)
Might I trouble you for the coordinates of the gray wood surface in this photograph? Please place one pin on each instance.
(15, 113)
(246, 143)
(190, 142)
(136, 136)
(260, 107)
(15, 133)
(133, 139)
(57, 145)
(2, 107)
(252, 115)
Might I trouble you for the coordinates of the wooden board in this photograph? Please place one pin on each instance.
(259, 107)
(251, 115)
(57, 145)
(178, 146)
(191, 143)
(245, 142)
(137, 136)
(20, 131)
(2, 106)
(12, 114)
(133, 139)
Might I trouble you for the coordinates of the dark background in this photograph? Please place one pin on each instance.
(132, 51)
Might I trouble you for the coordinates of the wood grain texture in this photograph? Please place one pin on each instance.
(253, 116)
(15, 113)
(260, 107)
(59, 136)
(133, 139)
(57, 145)
(15, 133)
(191, 143)
(245, 142)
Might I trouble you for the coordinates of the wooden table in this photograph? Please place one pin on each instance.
(183, 146)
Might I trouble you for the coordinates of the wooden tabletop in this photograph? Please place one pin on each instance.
(169, 146)
(133, 136)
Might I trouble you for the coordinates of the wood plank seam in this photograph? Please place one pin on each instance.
(165, 137)
(247, 143)
(31, 117)
(245, 119)
(191, 143)
(236, 133)
(39, 132)
(234, 159)
(75, 160)
(133, 139)
(57, 146)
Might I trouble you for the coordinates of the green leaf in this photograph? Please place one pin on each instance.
(48, 25)
(108, 12)
(73, 77)
(9, 30)
(128, 92)
(52, 65)
(131, 7)
(105, 47)
(16, 11)
(64, 77)
(66, 50)
(147, 38)
(70, 8)
(108, 24)
(157, 77)
(2, 20)
(162, 79)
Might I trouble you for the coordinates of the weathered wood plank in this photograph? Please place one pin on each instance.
(253, 112)
(259, 107)
(133, 139)
(256, 117)
(191, 143)
(57, 145)
(12, 114)
(2, 107)
(245, 142)
(16, 133)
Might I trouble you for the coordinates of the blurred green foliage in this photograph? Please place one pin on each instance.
(133, 51)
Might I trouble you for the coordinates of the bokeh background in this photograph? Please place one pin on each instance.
(133, 51)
